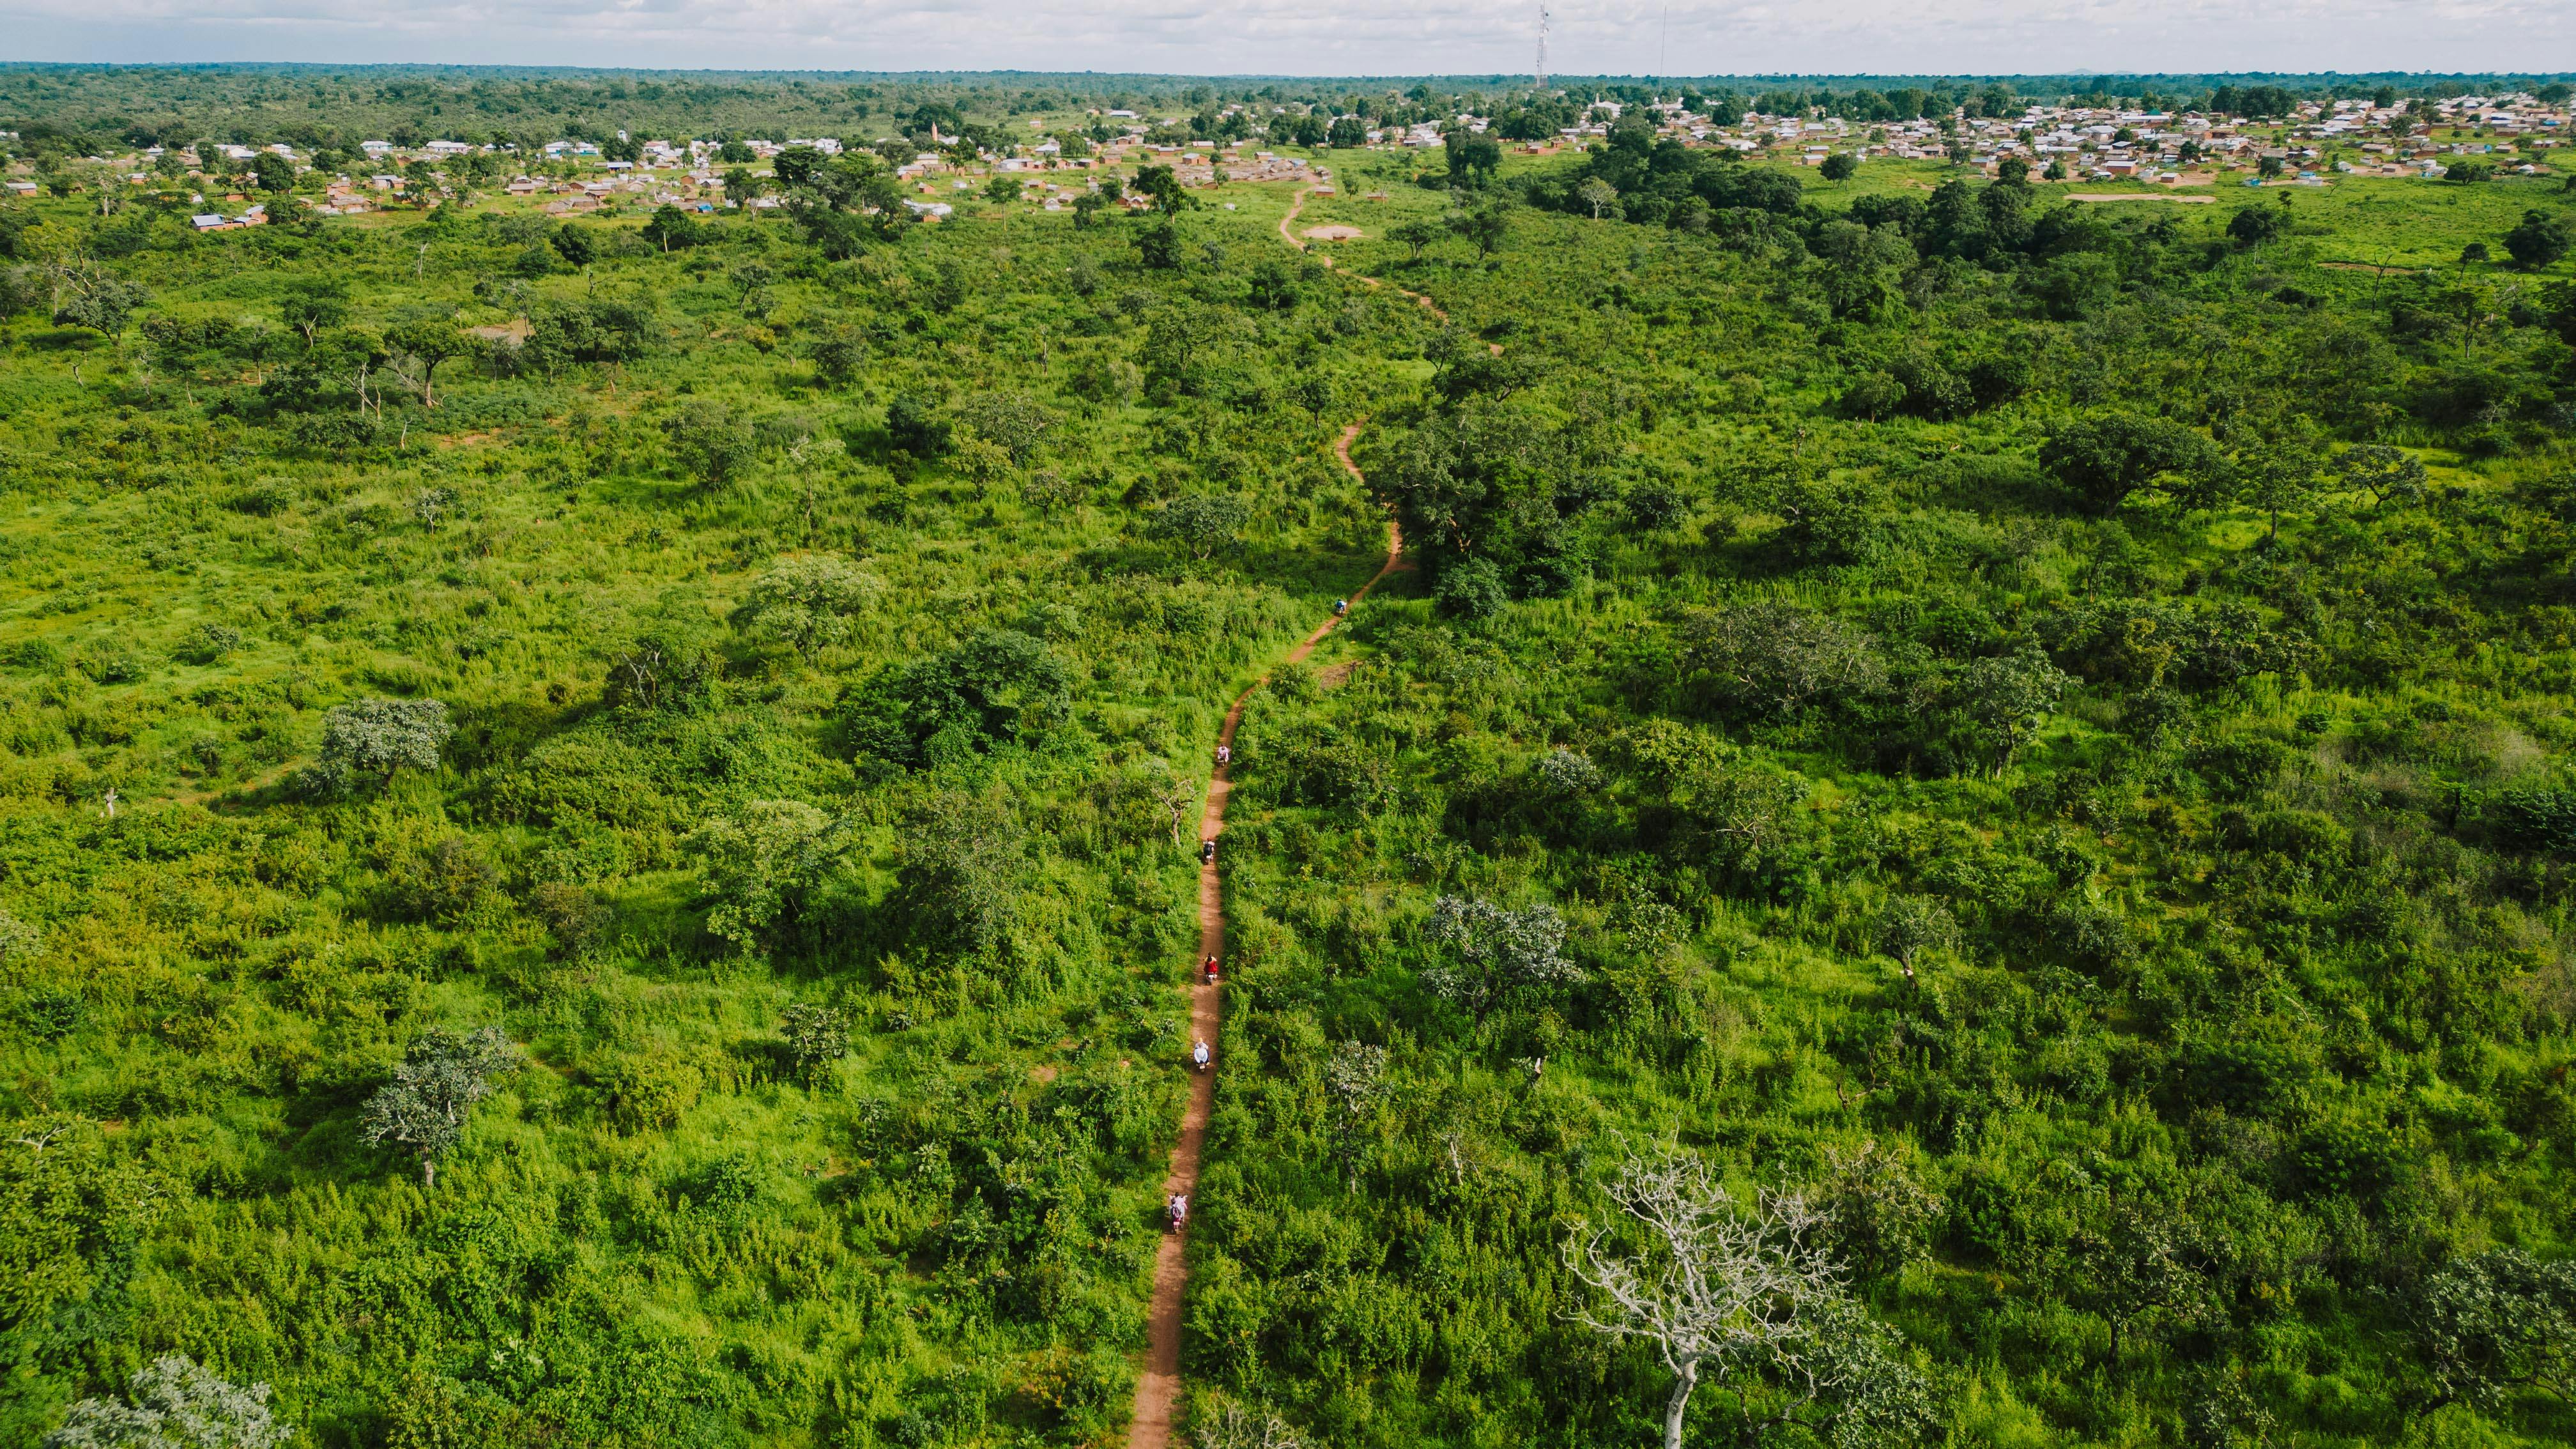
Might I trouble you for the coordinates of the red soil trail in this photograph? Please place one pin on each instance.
(1298, 204)
(1160, 1389)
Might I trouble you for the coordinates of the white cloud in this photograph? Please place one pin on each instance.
(1328, 37)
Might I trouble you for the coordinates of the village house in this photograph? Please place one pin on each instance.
(251, 216)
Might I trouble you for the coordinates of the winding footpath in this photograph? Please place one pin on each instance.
(1160, 1389)
(1297, 204)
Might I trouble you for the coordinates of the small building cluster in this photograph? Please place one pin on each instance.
(2105, 143)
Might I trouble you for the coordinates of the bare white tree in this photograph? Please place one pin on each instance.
(1236, 1427)
(1176, 793)
(1717, 1289)
(174, 1404)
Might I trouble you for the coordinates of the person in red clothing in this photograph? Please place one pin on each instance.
(1207, 971)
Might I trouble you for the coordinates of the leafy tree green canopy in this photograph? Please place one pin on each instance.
(997, 689)
(434, 1088)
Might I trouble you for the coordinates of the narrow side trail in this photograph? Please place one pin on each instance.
(1298, 204)
(1160, 1388)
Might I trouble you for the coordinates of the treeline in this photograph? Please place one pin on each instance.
(1889, 255)
(66, 112)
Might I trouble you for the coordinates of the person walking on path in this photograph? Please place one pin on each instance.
(1158, 1389)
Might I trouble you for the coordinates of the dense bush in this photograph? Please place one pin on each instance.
(2034, 732)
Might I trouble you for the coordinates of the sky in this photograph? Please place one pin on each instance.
(1323, 37)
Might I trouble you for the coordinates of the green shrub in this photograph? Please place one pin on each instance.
(208, 644)
(648, 1090)
(378, 737)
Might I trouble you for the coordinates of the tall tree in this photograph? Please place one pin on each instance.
(2009, 695)
(2275, 476)
(1158, 245)
(2540, 239)
(807, 602)
(89, 295)
(313, 305)
(2387, 474)
(763, 864)
(1483, 227)
(1163, 185)
(796, 165)
(1201, 523)
(425, 1107)
(1495, 952)
(2497, 1323)
(2104, 458)
(429, 339)
(711, 441)
(1473, 157)
(378, 737)
(1736, 1296)
(1356, 1078)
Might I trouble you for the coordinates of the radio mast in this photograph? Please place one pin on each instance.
(1538, 79)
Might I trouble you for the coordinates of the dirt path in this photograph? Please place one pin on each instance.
(1160, 1389)
(1298, 204)
(261, 781)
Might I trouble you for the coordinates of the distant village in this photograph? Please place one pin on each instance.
(2349, 137)
(2313, 144)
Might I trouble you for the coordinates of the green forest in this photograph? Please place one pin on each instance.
(1956, 828)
